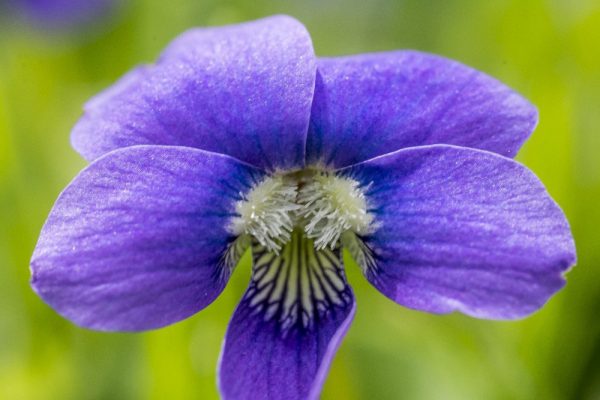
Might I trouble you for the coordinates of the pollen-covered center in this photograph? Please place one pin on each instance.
(267, 212)
(331, 205)
(322, 204)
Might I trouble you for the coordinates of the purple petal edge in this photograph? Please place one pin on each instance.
(334, 345)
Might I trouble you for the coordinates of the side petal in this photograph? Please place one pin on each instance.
(288, 326)
(138, 240)
(373, 104)
(243, 90)
(462, 229)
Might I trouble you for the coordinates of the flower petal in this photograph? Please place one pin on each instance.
(242, 90)
(137, 240)
(288, 326)
(373, 104)
(462, 229)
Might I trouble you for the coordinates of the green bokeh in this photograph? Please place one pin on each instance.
(547, 50)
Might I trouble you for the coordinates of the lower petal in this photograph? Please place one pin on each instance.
(139, 239)
(288, 326)
(462, 229)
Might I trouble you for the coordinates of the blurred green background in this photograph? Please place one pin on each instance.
(547, 50)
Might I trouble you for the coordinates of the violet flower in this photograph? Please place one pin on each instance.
(62, 14)
(240, 137)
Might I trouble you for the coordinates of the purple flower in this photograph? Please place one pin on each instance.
(241, 137)
(63, 14)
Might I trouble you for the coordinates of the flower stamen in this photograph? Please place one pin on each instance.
(267, 212)
(332, 205)
(322, 204)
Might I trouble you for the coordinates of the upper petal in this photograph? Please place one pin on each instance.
(137, 240)
(372, 104)
(462, 229)
(243, 90)
(287, 328)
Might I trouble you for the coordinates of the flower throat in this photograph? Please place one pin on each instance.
(321, 204)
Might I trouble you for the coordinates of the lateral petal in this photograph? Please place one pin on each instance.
(462, 229)
(138, 240)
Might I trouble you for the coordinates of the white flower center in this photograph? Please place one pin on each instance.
(322, 204)
(267, 212)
